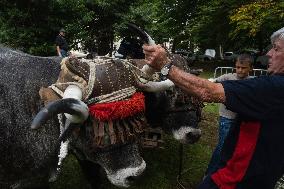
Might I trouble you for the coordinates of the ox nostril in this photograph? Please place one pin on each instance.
(131, 179)
(193, 136)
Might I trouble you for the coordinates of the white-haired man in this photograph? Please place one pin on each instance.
(252, 156)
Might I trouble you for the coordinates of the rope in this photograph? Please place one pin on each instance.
(114, 96)
(181, 172)
(138, 73)
(63, 152)
(59, 92)
(92, 78)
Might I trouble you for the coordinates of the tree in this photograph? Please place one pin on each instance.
(234, 24)
(257, 20)
(32, 25)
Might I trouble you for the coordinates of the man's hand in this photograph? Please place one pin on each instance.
(156, 56)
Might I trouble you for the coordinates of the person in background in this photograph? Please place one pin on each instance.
(61, 44)
(243, 66)
(252, 156)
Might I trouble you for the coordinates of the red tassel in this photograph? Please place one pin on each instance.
(120, 109)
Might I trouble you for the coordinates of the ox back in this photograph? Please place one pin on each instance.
(26, 156)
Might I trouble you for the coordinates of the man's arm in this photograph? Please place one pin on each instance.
(203, 89)
(58, 51)
(58, 42)
(198, 87)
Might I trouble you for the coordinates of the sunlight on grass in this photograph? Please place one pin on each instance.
(211, 107)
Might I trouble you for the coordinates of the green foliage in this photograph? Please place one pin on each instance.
(23, 24)
(252, 17)
(235, 24)
(257, 20)
(32, 26)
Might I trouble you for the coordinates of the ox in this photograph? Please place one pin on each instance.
(29, 158)
(170, 108)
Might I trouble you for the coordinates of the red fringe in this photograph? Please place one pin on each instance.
(120, 109)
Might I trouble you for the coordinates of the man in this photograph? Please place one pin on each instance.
(61, 44)
(253, 155)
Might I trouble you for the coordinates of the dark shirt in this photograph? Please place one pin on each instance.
(253, 153)
(61, 42)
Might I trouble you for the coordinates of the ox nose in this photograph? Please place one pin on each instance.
(187, 135)
(126, 176)
(132, 179)
(193, 136)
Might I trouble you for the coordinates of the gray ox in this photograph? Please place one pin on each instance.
(30, 157)
(170, 108)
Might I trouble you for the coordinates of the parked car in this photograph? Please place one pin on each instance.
(182, 52)
(187, 55)
(197, 56)
(230, 56)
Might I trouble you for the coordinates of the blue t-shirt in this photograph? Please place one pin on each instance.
(257, 100)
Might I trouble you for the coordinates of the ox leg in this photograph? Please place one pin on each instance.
(92, 172)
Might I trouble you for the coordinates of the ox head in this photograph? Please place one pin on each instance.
(122, 162)
(109, 143)
(176, 113)
(174, 110)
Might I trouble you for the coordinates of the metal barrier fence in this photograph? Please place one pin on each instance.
(225, 70)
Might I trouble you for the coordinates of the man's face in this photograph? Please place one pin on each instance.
(62, 33)
(243, 69)
(276, 57)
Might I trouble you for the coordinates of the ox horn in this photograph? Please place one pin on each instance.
(146, 39)
(68, 105)
(141, 33)
(153, 86)
(75, 110)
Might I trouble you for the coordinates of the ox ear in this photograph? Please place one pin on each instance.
(47, 95)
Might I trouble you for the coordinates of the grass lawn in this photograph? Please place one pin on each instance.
(162, 164)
